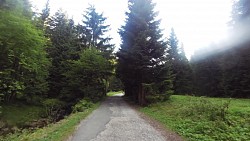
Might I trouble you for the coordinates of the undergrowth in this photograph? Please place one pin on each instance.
(206, 119)
(54, 132)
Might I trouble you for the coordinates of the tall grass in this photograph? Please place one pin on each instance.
(206, 119)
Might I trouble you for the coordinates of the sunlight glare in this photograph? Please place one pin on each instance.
(197, 23)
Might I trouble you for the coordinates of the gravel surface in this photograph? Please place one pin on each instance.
(115, 120)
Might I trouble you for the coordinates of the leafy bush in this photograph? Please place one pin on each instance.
(53, 107)
(82, 105)
(88, 75)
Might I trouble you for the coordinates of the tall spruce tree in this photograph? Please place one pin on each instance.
(142, 55)
(181, 69)
(93, 31)
(43, 17)
(62, 34)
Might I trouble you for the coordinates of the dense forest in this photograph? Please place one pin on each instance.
(47, 59)
(50, 61)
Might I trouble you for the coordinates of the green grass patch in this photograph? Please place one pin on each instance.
(114, 93)
(54, 132)
(19, 114)
(206, 119)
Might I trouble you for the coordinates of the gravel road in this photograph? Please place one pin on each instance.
(115, 120)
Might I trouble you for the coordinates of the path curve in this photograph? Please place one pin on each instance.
(115, 120)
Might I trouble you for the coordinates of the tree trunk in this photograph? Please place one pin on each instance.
(141, 96)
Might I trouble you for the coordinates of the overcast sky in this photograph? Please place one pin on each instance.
(197, 23)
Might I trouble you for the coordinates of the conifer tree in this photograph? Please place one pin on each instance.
(62, 34)
(181, 69)
(43, 17)
(142, 60)
(93, 30)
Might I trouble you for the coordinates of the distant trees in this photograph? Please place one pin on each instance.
(142, 64)
(226, 72)
(93, 30)
(236, 58)
(208, 74)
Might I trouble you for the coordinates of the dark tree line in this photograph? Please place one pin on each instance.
(150, 67)
(224, 70)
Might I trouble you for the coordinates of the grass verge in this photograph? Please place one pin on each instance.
(114, 93)
(20, 114)
(206, 119)
(59, 131)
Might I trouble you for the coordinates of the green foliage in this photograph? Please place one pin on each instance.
(53, 107)
(205, 108)
(22, 59)
(181, 70)
(112, 93)
(82, 105)
(88, 75)
(200, 118)
(208, 72)
(22, 7)
(63, 37)
(18, 115)
(93, 30)
(158, 92)
(115, 84)
(54, 132)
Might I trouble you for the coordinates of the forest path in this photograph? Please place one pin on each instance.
(115, 120)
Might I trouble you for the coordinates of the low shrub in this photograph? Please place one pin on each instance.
(82, 105)
(205, 108)
(157, 92)
(53, 108)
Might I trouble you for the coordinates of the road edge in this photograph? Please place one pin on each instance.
(167, 133)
